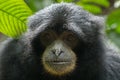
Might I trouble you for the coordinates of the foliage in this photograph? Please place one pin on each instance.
(13, 15)
(64, 1)
(113, 26)
(113, 21)
(36, 5)
(93, 6)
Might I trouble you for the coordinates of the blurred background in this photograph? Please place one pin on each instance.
(109, 9)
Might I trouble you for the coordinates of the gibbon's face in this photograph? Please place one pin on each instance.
(58, 58)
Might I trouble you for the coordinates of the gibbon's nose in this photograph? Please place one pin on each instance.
(57, 52)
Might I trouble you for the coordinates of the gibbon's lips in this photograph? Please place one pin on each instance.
(59, 62)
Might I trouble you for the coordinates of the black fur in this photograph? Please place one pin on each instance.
(21, 59)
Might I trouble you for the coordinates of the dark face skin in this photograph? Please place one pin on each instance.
(58, 58)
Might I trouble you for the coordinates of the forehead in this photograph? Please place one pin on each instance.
(58, 28)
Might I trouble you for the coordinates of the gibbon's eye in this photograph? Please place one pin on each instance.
(47, 37)
(70, 39)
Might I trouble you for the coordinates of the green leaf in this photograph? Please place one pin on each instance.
(104, 3)
(64, 1)
(113, 20)
(13, 16)
(91, 8)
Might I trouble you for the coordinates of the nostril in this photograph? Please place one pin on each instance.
(60, 52)
(57, 52)
(53, 51)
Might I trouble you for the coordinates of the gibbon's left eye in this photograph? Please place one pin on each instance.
(70, 39)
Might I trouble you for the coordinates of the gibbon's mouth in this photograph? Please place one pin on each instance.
(58, 62)
(59, 67)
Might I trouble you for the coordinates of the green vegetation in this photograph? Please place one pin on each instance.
(13, 15)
